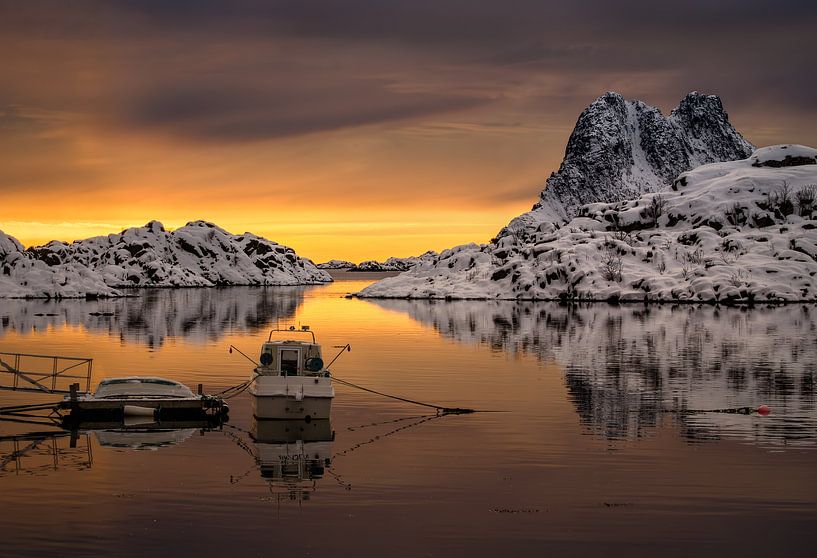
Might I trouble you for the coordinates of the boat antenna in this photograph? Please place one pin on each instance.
(346, 347)
(242, 353)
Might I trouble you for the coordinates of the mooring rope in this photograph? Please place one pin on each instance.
(237, 389)
(440, 409)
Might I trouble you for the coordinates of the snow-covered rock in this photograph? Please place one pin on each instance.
(391, 264)
(621, 149)
(336, 264)
(200, 254)
(23, 276)
(725, 232)
(404, 264)
(373, 265)
(784, 156)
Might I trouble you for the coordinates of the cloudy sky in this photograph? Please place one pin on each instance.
(357, 128)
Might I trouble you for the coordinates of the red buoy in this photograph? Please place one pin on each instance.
(763, 410)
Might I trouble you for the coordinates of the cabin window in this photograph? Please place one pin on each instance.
(289, 361)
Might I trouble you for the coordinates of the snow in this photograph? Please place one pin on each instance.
(724, 235)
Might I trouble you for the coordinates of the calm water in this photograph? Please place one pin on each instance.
(600, 448)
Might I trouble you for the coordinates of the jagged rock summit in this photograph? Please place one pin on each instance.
(621, 149)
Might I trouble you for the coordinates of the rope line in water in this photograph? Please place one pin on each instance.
(730, 410)
(440, 409)
(383, 422)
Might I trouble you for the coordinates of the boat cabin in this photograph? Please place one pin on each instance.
(291, 357)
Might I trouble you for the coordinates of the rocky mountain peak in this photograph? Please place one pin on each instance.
(620, 149)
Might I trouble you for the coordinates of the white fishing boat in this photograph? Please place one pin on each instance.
(145, 396)
(291, 381)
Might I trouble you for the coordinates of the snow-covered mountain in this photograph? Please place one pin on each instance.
(738, 231)
(200, 254)
(621, 149)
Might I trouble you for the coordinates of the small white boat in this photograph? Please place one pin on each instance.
(144, 396)
(291, 381)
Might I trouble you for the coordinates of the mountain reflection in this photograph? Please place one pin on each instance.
(627, 367)
(157, 314)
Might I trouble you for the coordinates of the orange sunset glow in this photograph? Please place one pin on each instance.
(347, 133)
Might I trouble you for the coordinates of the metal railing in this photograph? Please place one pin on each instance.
(43, 373)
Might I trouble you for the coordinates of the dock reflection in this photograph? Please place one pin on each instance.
(41, 452)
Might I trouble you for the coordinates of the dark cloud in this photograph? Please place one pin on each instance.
(243, 70)
(225, 113)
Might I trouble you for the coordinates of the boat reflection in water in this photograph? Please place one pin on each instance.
(292, 455)
(143, 433)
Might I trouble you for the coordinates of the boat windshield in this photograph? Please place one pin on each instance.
(158, 381)
(289, 361)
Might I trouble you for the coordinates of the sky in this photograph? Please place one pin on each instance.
(355, 129)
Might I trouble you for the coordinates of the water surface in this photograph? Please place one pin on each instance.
(602, 447)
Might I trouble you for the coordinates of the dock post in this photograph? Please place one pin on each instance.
(201, 389)
(72, 390)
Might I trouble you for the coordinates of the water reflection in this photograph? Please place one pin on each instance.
(290, 455)
(157, 314)
(628, 367)
(40, 452)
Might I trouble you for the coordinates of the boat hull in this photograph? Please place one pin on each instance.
(196, 407)
(292, 397)
(288, 408)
